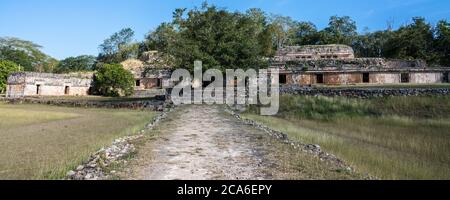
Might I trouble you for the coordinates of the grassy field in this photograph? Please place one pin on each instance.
(44, 142)
(391, 138)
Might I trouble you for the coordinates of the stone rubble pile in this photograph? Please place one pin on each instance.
(94, 168)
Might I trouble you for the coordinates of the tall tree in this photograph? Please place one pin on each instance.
(118, 47)
(375, 44)
(305, 33)
(442, 43)
(75, 64)
(221, 39)
(26, 54)
(413, 41)
(161, 38)
(340, 30)
(283, 30)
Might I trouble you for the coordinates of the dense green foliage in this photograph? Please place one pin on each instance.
(75, 64)
(118, 47)
(219, 38)
(6, 68)
(113, 80)
(26, 54)
(223, 39)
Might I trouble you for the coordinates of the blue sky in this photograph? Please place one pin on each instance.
(75, 27)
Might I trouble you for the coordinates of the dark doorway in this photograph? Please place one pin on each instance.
(283, 79)
(158, 83)
(445, 79)
(66, 90)
(404, 78)
(319, 78)
(138, 83)
(366, 78)
(38, 89)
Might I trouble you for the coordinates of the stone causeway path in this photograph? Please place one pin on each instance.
(203, 142)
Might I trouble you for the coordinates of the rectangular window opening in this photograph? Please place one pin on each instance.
(405, 78)
(138, 83)
(158, 83)
(283, 79)
(366, 78)
(319, 78)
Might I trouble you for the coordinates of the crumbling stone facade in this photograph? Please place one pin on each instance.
(23, 84)
(314, 52)
(151, 71)
(336, 65)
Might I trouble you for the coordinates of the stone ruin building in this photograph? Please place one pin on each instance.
(337, 65)
(151, 73)
(22, 84)
(299, 65)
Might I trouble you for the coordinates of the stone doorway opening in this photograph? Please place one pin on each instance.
(319, 78)
(366, 78)
(404, 78)
(67, 90)
(38, 89)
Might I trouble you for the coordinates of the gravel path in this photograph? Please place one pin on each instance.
(200, 142)
(205, 144)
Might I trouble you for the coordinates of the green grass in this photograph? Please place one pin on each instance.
(44, 142)
(392, 138)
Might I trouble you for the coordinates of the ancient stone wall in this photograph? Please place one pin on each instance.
(385, 78)
(426, 78)
(156, 104)
(351, 78)
(314, 52)
(363, 92)
(45, 84)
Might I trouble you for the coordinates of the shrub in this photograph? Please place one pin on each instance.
(6, 68)
(114, 80)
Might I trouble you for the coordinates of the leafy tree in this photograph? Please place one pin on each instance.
(162, 38)
(305, 33)
(413, 41)
(374, 44)
(340, 30)
(75, 64)
(219, 38)
(114, 80)
(118, 47)
(18, 56)
(6, 68)
(283, 30)
(442, 43)
(26, 54)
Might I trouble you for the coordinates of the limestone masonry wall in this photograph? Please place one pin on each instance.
(363, 92)
(44, 84)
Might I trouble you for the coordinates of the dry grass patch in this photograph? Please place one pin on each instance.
(391, 138)
(44, 142)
